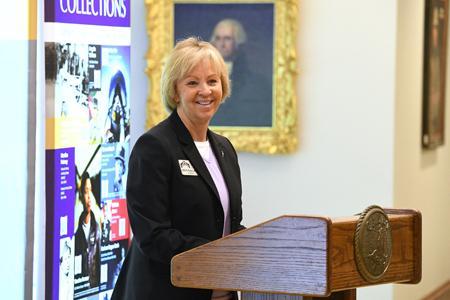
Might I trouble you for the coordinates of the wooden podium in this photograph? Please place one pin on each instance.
(291, 257)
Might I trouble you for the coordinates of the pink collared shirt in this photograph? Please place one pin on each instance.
(214, 170)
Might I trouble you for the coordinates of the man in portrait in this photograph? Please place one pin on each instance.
(250, 103)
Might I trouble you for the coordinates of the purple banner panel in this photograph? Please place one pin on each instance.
(60, 184)
(89, 12)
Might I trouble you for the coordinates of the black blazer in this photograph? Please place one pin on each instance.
(170, 212)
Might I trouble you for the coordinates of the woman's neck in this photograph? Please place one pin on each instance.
(198, 134)
(198, 131)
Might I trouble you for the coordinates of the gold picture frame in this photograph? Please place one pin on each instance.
(281, 135)
(435, 69)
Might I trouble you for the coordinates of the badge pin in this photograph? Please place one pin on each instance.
(186, 168)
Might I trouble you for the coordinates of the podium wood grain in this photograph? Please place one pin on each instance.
(284, 255)
(298, 255)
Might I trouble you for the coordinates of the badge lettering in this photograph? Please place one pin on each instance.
(186, 168)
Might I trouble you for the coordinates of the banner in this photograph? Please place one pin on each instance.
(94, 12)
(87, 96)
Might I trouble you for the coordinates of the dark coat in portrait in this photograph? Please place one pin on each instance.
(250, 103)
(171, 212)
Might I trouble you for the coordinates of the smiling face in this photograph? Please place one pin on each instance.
(198, 95)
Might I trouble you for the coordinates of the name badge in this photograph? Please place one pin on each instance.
(186, 168)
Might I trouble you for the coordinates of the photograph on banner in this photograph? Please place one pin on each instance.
(114, 242)
(73, 84)
(114, 170)
(66, 267)
(88, 85)
(115, 225)
(88, 217)
(115, 69)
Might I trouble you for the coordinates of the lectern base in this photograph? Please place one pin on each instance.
(342, 295)
(258, 296)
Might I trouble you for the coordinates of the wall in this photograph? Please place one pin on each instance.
(18, 44)
(422, 177)
(346, 116)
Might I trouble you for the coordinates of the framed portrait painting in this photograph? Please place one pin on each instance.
(257, 41)
(435, 64)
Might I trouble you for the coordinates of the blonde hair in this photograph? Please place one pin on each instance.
(187, 54)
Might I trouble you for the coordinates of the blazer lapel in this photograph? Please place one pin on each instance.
(191, 152)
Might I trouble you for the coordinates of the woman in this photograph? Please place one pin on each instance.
(184, 186)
